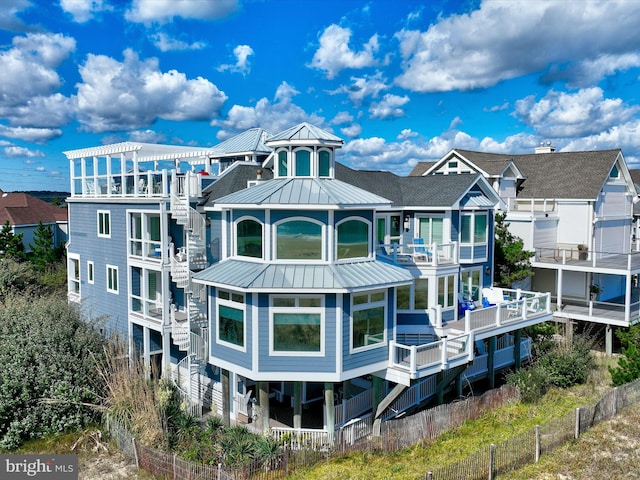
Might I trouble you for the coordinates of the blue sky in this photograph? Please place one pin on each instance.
(400, 81)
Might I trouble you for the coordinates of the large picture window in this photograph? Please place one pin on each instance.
(249, 238)
(413, 297)
(353, 239)
(299, 240)
(368, 320)
(231, 323)
(297, 326)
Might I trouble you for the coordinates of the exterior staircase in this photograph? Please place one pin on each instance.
(189, 328)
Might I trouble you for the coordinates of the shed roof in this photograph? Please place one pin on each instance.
(273, 276)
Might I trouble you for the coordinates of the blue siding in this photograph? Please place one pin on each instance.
(84, 241)
(421, 318)
(214, 253)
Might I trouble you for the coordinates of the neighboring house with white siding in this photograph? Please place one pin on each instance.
(262, 271)
(575, 210)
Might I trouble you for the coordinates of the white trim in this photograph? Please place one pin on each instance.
(237, 306)
(110, 269)
(234, 236)
(91, 272)
(274, 235)
(105, 214)
(336, 239)
(367, 306)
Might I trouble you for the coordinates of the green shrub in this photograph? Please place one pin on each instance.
(48, 376)
(628, 368)
(531, 383)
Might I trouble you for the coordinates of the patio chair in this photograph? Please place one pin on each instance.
(493, 296)
(419, 250)
(465, 304)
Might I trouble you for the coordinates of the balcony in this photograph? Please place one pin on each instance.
(587, 260)
(454, 344)
(419, 254)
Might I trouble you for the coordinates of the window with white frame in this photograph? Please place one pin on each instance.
(431, 229)
(297, 325)
(104, 223)
(388, 229)
(303, 163)
(231, 326)
(324, 163)
(90, 272)
(249, 238)
(145, 238)
(414, 296)
(471, 284)
(473, 228)
(352, 239)
(446, 291)
(112, 279)
(73, 274)
(368, 313)
(283, 163)
(299, 239)
(146, 292)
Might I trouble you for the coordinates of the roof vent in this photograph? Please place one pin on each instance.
(545, 148)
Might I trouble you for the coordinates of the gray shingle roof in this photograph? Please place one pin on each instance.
(420, 168)
(233, 179)
(577, 175)
(273, 277)
(430, 191)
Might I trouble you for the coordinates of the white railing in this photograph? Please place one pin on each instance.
(182, 378)
(428, 255)
(531, 205)
(353, 407)
(529, 305)
(443, 353)
(356, 429)
(299, 438)
(594, 258)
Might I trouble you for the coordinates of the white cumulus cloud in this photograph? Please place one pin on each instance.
(335, 54)
(388, 107)
(503, 40)
(163, 11)
(131, 94)
(165, 43)
(84, 10)
(242, 64)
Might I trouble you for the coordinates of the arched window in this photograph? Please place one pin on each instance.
(324, 163)
(303, 163)
(353, 239)
(249, 238)
(299, 240)
(283, 166)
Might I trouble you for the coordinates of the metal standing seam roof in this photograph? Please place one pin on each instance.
(272, 277)
(305, 131)
(251, 140)
(303, 191)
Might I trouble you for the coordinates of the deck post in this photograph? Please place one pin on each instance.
(330, 411)
(491, 351)
(226, 395)
(263, 400)
(608, 340)
(517, 346)
(297, 405)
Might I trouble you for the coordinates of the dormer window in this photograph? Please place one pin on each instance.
(324, 163)
(304, 162)
(614, 173)
(283, 163)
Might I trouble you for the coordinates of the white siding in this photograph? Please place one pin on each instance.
(575, 221)
(507, 188)
(613, 236)
(545, 233)
(614, 201)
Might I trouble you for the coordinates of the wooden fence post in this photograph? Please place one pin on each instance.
(492, 460)
(135, 451)
(429, 475)
(537, 443)
(577, 431)
(174, 464)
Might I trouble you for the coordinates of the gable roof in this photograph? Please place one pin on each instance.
(420, 168)
(23, 209)
(305, 132)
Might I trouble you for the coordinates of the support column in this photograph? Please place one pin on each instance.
(376, 392)
(263, 400)
(226, 397)
(608, 340)
(459, 385)
(330, 412)
(440, 391)
(491, 364)
(297, 404)
(517, 345)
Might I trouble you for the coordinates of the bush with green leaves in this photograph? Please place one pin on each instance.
(628, 368)
(564, 365)
(47, 381)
